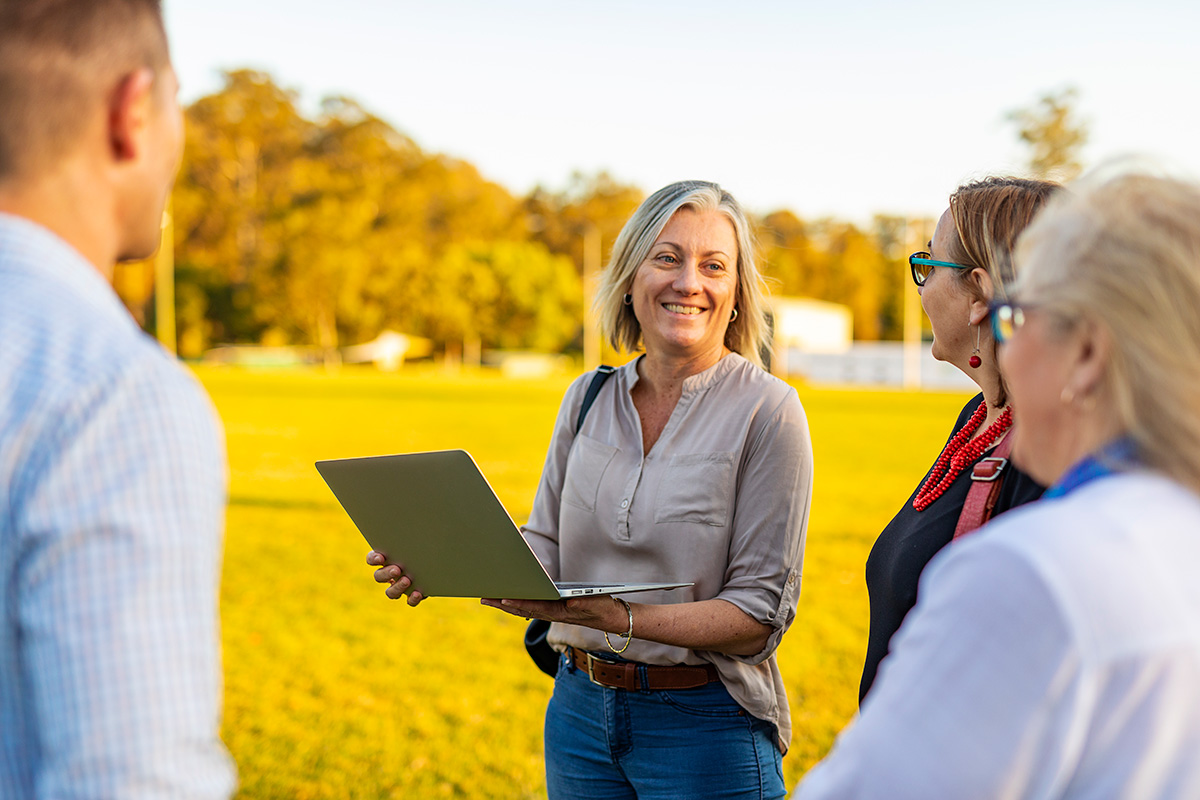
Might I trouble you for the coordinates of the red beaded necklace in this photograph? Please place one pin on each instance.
(959, 452)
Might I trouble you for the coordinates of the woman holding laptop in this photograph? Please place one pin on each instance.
(694, 465)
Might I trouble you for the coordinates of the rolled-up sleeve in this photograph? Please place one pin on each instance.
(774, 491)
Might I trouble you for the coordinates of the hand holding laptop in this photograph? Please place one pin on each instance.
(436, 528)
(604, 613)
(393, 575)
(593, 612)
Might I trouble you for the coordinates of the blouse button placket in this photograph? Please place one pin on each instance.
(627, 501)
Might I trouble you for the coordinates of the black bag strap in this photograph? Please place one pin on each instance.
(536, 643)
(603, 373)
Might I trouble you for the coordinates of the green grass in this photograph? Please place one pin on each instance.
(334, 691)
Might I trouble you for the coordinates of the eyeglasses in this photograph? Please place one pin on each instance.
(921, 265)
(1007, 319)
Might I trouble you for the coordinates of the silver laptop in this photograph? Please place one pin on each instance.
(436, 516)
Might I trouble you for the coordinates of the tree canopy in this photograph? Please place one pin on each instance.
(327, 230)
(1054, 133)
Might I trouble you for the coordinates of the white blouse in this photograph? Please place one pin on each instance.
(1054, 654)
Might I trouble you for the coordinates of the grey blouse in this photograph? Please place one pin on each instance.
(721, 500)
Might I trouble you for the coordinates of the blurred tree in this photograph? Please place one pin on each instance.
(234, 186)
(303, 231)
(838, 262)
(562, 220)
(788, 257)
(891, 235)
(334, 244)
(327, 231)
(1054, 133)
(856, 274)
(510, 295)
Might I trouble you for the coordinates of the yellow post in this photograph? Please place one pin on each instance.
(912, 311)
(164, 283)
(591, 270)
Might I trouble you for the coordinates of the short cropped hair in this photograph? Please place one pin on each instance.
(748, 334)
(1124, 254)
(59, 59)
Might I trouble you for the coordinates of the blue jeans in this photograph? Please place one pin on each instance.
(606, 743)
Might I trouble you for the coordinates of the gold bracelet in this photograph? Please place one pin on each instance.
(628, 636)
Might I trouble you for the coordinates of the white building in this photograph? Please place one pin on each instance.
(813, 326)
(814, 339)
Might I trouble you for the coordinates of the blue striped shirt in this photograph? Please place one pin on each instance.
(112, 495)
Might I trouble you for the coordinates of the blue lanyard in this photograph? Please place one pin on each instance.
(1116, 456)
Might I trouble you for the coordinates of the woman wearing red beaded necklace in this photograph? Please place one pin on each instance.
(957, 278)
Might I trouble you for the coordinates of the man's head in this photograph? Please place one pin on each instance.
(87, 91)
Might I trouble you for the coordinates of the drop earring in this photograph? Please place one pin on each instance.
(975, 360)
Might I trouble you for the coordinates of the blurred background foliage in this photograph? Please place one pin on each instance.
(324, 230)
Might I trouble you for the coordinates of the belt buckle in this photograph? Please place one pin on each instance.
(591, 675)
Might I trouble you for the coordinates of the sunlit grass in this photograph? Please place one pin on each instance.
(334, 691)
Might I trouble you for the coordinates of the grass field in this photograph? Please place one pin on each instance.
(333, 691)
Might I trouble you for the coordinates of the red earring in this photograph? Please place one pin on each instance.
(975, 360)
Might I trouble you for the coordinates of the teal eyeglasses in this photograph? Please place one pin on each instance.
(921, 265)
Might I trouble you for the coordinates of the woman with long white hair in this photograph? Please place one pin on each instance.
(1056, 654)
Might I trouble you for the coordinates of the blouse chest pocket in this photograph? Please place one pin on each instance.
(696, 488)
(586, 464)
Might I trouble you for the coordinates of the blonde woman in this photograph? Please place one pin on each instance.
(693, 465)
(1056, 654)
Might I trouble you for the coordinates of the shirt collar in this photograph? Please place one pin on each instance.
(26, 246)
(1119, 455)
(692, 383)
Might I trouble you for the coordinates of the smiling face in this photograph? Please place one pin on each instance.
(686, 289)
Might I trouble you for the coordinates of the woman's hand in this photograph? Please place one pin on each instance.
(715, 624)
(393, 575)
(602, 613)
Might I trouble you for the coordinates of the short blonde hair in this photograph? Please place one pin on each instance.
(1124, 254)
(749, 334)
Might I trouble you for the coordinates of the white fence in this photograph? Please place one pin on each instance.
(877, 364)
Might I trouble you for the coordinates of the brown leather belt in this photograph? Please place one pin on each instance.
(625, 674)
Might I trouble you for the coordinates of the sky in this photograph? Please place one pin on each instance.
(831, 108)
